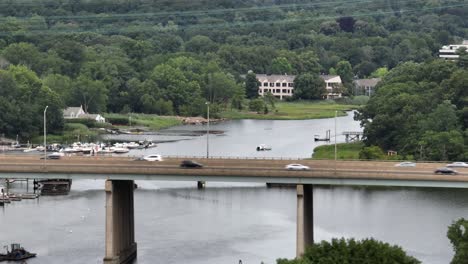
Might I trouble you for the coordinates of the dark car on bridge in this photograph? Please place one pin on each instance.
(445, 170)
(190, 164)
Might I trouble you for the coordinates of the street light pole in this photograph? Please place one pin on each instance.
(208, 130)
(336, 113)
(45, 134)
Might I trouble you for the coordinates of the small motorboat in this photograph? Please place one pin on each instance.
(263, 147)
(17, 253)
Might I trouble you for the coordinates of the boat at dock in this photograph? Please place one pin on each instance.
(17, 253)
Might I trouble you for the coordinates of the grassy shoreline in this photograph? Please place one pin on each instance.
(294, 111)
(348, 151)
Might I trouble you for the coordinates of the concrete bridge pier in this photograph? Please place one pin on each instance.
(305, 218)
(120, 222)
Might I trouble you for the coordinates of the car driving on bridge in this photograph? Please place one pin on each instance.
(457, 164)
(406, 164)
(297, 167)
(190, 164)
(445, 170)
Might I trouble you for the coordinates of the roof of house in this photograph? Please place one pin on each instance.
(367, 82)
(275, 78)
(71, 110)
(326, 77)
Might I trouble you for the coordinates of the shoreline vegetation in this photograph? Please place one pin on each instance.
(344, 151)
(294, 111)
(86, 130)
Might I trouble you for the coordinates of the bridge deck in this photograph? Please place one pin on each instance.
(236, 170)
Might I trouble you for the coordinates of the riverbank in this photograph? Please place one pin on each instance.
(294, 111)
(348, 151)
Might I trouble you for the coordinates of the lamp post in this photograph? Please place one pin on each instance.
(208, 130)
(45, 134)
(336, 113)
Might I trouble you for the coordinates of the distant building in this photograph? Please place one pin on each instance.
(282, 86)
(449, 52)
(333, 86)
(78, 112)
(278, 85)
(365, 86)
(73, 112)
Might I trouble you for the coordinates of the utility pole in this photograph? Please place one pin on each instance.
(208, 130)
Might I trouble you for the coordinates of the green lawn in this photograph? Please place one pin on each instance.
(154, 122)
(344, 151)
(294, 111)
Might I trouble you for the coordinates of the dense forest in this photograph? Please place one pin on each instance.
(421, 111)
(170, 57)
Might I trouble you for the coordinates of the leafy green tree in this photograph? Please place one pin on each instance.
(345, 71)
(200, 44)
(379, 73)
(92, 95)
(352, 252)
(257, 105)
(458, 235)
(308, 87)
(251, 85)
(308, 63)
(463, 57)
(371, 153)
(281, 65)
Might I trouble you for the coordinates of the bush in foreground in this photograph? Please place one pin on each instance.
(367, 251)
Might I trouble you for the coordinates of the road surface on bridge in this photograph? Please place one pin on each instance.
(263, 170)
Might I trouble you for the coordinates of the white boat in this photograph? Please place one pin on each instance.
(263, 147)
(29, 150)
(40, 148)
(131, 145)
(120, 150)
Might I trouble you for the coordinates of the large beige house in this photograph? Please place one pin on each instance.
(283, 85)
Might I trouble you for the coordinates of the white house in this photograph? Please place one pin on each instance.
(449, 52)
(333, 85)
(283, 85)
(73, 112)
(279, 85)
(365, 86)
(78, 112)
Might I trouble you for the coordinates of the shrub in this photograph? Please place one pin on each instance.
(352, 252)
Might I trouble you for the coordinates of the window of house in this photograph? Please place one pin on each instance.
(278, 84)
(290, 84)
(283, 84)
(272, 84)
(265, 84)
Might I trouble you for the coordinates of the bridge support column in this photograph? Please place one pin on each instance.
(120, 224)
(305, 218)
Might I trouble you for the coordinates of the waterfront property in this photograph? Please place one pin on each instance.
(365, 86)
(282, 86)
(121, 172)
(449, 52)
(78, 112)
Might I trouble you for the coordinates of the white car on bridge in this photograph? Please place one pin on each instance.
(457, 165)
(152, 157)
(297, 167)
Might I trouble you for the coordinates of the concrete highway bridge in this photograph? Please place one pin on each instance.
(120, 173)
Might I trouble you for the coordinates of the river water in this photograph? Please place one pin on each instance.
(176, 223)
